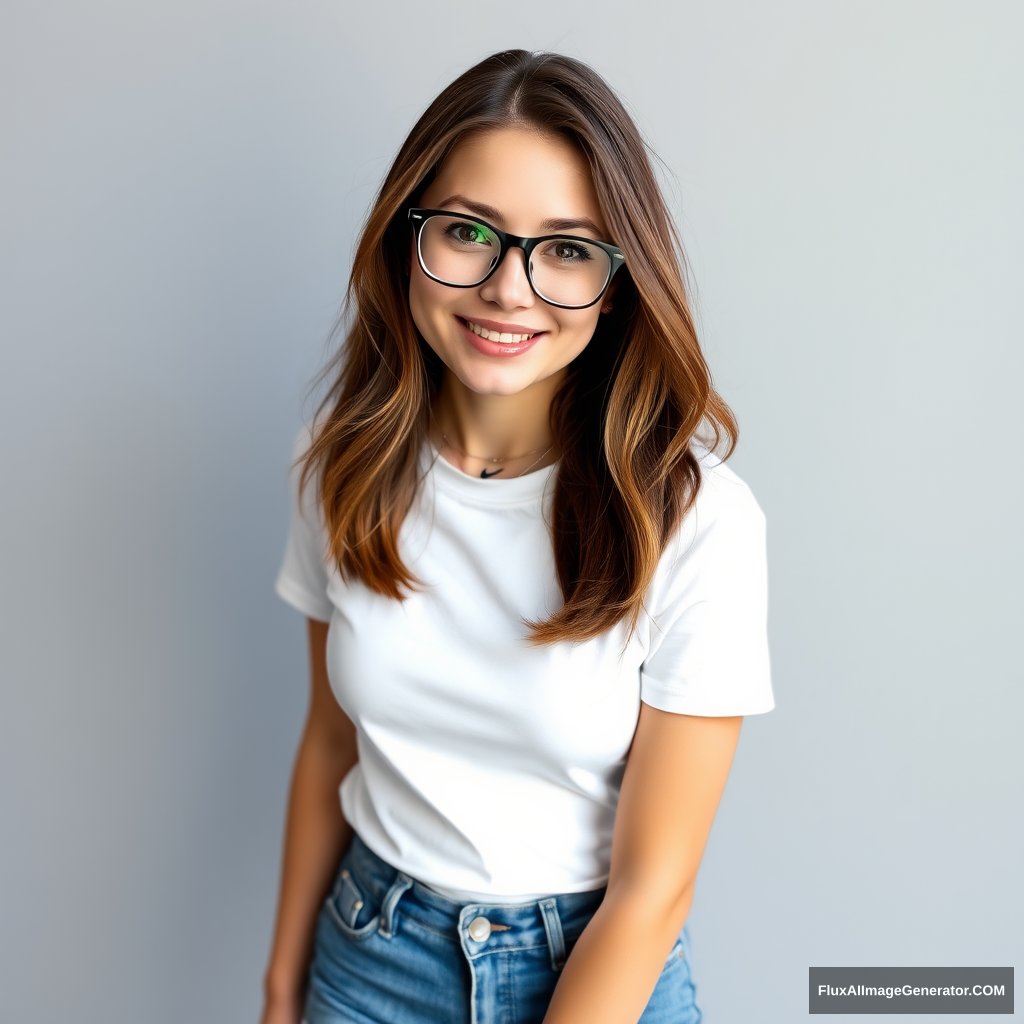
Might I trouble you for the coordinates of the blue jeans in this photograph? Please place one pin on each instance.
(390, 950)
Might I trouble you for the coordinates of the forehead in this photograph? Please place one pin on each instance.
(527, 176)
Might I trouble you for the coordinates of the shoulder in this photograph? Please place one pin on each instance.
(707, 607)
(721, 488)
(302, 443)
(724, 507)
(719, 546)
(304, 487)
(303, 577)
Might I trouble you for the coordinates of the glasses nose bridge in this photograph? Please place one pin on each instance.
(517, 242)
(510, 242)
(510, 287)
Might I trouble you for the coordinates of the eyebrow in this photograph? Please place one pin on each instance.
(490, 213)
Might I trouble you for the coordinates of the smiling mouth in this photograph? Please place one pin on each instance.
(501, 339)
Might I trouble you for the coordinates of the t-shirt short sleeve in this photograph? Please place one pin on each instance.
(708, 652)
(302, 580)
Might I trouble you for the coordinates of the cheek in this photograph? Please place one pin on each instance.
(579, 327)
(426, 300)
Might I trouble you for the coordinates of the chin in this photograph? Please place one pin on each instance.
(493, 385)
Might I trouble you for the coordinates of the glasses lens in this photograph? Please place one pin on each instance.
(457, 250)
(569, 271)
(461, 251)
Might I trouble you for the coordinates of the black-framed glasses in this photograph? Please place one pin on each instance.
(463, 251)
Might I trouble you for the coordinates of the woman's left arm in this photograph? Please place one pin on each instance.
(674, 778)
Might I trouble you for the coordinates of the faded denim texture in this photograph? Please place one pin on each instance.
(390, 950)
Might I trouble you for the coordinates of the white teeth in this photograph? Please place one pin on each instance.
(502, 339)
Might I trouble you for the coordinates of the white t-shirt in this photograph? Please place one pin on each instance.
(489, 768)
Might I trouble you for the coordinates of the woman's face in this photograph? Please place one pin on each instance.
(526, 184)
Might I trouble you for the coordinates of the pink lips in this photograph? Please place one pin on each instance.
(496, 348)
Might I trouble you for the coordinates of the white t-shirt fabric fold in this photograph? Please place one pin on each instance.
(489, 767)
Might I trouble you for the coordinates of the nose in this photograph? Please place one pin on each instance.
(509, 286)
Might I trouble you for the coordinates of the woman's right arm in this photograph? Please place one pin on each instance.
(316, 836)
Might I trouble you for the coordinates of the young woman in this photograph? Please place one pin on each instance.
(536, 598)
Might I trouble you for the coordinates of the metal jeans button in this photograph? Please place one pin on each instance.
(479, 929)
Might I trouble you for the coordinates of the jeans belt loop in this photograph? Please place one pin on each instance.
(387, 911)
(553, 928)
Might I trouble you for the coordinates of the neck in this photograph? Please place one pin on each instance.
(495, 426)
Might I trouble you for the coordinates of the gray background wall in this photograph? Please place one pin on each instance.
(179, 192)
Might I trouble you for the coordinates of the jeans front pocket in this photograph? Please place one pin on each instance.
(677, 952)
(353, 911)
(674, 998)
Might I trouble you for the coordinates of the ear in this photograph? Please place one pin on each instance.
(607, 306)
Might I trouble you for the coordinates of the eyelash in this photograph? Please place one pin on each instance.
(582, 252)
(454, 230)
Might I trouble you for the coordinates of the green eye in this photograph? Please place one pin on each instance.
(471, 234)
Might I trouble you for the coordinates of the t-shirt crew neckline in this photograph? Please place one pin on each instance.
(493, 491)
(489, 767)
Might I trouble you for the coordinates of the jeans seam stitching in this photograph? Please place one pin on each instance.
(353, 933)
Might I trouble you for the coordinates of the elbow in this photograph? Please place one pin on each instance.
(664, 905)
(676, 905)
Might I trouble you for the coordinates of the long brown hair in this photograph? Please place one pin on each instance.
(631, 403)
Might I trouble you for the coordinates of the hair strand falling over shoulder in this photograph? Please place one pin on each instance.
(628, 412)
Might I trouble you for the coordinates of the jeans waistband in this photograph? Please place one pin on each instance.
(482, 928)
